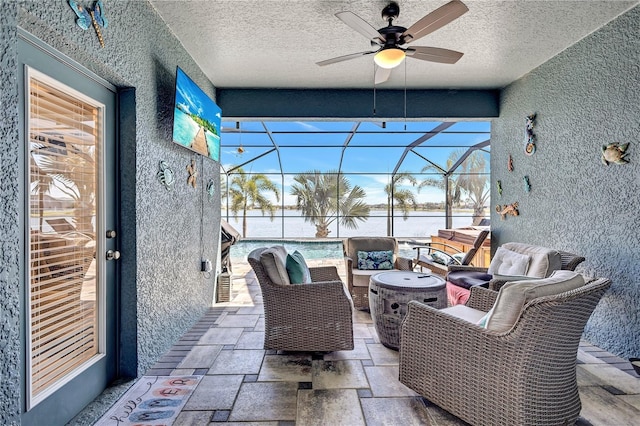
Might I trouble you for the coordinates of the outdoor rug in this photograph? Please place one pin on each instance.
(153, 400)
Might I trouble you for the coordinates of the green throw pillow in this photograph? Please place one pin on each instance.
(372, 260)
(297, 269)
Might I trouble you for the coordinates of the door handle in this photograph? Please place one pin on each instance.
(113, 255)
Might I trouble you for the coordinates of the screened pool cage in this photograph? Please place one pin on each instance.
(336, 179)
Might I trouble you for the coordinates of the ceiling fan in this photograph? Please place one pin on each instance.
(391, 40)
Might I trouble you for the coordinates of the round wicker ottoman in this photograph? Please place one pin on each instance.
(389, 293)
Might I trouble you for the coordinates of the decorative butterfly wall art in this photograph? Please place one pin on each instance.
(87, 17)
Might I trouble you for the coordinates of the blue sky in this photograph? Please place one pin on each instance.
(372, 153)
(197, 102)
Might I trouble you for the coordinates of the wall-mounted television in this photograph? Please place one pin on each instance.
(196, 118)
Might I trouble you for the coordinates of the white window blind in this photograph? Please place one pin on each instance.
(64, 139)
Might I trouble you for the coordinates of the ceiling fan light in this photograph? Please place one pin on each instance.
(389, 58)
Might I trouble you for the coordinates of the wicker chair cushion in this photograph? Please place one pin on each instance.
(361, 277)
(508, 262)
(273, 261)
(543, 260)
(355, 244)
(442, 259)
(379, 259)
(457, 295)
(467, 279)
(515, 294)
(297, 268)
(464, 312)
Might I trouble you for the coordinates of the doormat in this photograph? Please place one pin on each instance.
(153, 400)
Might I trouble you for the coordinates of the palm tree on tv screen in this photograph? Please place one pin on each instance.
(326, 197)
(246, 191)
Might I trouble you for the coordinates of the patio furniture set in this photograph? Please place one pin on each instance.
(506, 356)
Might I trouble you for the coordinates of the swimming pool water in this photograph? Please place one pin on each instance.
(309, 249)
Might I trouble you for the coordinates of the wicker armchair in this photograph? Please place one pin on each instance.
(524, 376)
(357, 279)
(305, 317)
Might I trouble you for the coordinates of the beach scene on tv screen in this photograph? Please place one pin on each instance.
(196, 118)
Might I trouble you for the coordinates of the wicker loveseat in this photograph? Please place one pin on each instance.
(317, 316)
(543, 261)
(525, 375)
(358, 279)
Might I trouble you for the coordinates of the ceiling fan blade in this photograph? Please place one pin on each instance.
(360, 25)
(434, 54)
(435, 20)
(343, 58)
(382, 75)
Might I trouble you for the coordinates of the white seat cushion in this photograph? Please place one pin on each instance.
(464, 312)
(514, 295)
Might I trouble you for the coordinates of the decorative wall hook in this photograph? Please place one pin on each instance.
(88, 17)
(193, 174)
(499, 186)
(527, 184)
(530, 138)
(615, 153)
(510, 163)
(508, 209)
(166, 175)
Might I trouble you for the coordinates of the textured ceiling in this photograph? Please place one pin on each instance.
(275, 44)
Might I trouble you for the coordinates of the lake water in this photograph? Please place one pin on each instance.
(292, 225)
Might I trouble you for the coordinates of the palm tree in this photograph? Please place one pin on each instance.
(246, 192)
(326, 197)
(469, 178)
(473, 181)
(403, 198)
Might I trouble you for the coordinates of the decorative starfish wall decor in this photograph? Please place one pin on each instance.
(193, 174)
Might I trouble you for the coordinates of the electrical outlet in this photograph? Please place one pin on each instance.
(205, 266)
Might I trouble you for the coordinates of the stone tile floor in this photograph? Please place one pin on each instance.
(246, 385)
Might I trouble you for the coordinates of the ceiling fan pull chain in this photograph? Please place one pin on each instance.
(374, 89)
(405, 96)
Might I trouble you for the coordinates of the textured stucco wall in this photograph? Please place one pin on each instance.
(9, 241)
(161, 230)
(587, 96)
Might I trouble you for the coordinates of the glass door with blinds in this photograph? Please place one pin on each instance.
(70, 344)
(65, 139)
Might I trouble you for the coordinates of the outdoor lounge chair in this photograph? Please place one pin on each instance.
(358, 278)
(525, 375)
(314, 317)
(438, 256)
